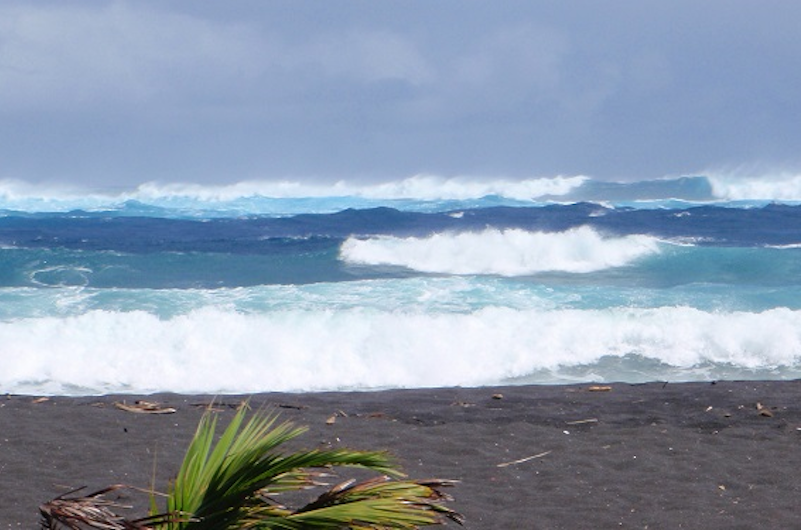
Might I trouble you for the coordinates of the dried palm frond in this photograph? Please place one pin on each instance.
(92, 511)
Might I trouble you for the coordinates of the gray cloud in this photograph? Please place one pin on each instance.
(126, 92)
(63, 58)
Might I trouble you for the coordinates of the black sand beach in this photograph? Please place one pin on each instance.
(689, 455)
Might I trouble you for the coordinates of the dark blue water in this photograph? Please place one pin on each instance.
(152, 252)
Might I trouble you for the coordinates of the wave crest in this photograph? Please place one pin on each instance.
(511, 252)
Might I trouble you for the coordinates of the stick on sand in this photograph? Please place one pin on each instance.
(526, 459)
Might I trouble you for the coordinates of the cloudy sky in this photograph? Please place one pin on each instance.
(116, 93)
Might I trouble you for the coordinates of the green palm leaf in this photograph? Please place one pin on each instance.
(229, 484)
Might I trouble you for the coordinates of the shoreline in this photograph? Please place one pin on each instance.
(653, 455)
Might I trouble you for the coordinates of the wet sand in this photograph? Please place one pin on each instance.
(676, 455)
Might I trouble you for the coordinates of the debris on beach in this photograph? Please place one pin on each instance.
(521, 460)
(763, 410)
(582, 422)
(93, 511)
(333, 418)
(144, 407)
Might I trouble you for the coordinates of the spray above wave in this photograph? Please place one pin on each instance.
(425, 187)
(219, 351)
(688, 189)
(511, 252)
(779, 187)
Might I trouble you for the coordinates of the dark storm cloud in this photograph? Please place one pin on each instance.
(126, 92)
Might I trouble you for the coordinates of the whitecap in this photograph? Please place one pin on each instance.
(512, 252)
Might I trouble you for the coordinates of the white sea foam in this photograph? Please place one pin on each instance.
(221, 351)
(511, 252)
(785, 247)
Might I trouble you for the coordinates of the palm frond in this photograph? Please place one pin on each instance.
(92, 511)
(217, 483)
(381, 503)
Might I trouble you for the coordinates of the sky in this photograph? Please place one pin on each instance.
(115, 93)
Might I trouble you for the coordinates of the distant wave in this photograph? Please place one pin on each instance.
(688, 189)
(511, 252)
(778, 187)
(419, 193)
(280, 197)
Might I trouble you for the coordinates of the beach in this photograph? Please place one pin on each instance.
(656, 455)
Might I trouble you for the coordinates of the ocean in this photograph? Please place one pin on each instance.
(420, 282)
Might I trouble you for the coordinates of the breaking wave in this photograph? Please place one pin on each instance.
(214, 350)
(511, 252)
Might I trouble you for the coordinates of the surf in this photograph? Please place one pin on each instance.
(512, 252)
(216, 350)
